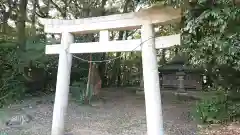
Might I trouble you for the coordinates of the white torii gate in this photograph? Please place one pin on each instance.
(143, 19)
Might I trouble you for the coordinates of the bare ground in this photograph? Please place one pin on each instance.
(232, 128)
(122, 114)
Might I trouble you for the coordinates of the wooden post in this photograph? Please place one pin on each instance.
(104, 36)
(151, 82)
(62, 88)
(89, 83)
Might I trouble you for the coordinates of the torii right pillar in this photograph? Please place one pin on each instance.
(151, 82)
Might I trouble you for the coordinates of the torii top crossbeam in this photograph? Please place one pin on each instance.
(154, 15)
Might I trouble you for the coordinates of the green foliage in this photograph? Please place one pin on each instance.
(35, 53)
(12, 87)
(212, 108)
(216, 106)
(12, 75)
(211, 37)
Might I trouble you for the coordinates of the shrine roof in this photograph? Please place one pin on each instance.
(179, 63)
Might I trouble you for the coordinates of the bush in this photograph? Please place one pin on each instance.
(11, 84)
(216, 107)
(12, 89)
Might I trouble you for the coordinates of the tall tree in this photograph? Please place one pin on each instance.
(21, 27)
(33, 23)
(117, 62)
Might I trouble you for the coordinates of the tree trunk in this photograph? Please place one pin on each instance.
(5, 15)
(116, 67)
(163, 57)
(118, 61)
(21, 33)
(89, 83)
(33, 29)
(119, 71)
(102, 66)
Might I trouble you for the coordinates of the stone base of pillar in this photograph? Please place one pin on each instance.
(181, 90)
(179, 93)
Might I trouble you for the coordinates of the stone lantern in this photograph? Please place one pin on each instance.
(180, 77)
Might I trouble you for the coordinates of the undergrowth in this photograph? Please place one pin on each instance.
(12, 86)
(217, 106)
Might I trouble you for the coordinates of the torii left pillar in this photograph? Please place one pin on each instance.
(151, 82)
(62, 88)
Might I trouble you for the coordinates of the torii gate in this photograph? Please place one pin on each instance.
(143, 19)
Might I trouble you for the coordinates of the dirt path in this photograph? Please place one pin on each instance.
(122, 114)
